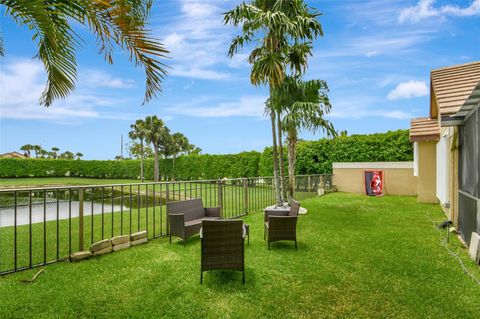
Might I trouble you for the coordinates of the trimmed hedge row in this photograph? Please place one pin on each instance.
(313, 157)
(186, 167)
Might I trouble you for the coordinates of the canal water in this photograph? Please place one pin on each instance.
(68, 205)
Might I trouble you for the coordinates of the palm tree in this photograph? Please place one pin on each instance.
(139, 132)
(55, 152)
(36, 149)
(27, 148)
(79, 155)
(66, 155)
(303, 105)
(43, 153)
(156, 134)
(283, 31)
(178, 144)
(111, 22)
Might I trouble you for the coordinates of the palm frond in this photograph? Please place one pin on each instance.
(2, 48)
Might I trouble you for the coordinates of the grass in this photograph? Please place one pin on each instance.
(358, 257)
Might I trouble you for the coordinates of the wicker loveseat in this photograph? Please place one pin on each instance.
(185, 217)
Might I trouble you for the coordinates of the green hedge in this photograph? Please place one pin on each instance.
(186, 167)
(316, 157)
(313, 157)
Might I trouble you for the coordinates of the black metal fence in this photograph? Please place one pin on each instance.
(39, 226)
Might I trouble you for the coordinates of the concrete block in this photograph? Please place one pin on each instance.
(99, 245)
(474, 250)
(81, 255)
(121, 246)
(120, 240)
(139, 241)
(103, 251)
(139, 235)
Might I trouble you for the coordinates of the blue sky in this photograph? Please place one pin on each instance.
(375, 56)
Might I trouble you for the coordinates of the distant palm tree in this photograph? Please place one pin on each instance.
(178, 144)
(112, 22)
(139, 132)
(283, 31)
(156, 134)
(55, 152)
(303, 105)
(36, 149)
(67, 155)
(79, 155)
(27, 148)
(43, 153)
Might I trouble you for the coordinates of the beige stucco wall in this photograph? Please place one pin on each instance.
(427, 172)
(398, 177)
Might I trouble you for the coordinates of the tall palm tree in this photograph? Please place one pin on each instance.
(55, 152)
(304, 105)
(27, 148)
(139, 132)
(178, 144)
(113, 22)
(156, 134)
(283, 31)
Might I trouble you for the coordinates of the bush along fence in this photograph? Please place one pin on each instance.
(39, 226)
(313, 157)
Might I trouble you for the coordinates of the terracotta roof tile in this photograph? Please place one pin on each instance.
(424, 129)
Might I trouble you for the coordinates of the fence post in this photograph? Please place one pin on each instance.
(80, 218)
(245, 195)
(309, 186)
(220, 196)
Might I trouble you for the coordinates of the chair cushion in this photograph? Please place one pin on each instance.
(193, 222)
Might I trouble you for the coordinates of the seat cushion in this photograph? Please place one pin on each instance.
(210, 218)
(193, 222)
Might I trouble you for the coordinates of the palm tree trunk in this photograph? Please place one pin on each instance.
(141, 160)
(283, 189)
(155, 166)
(276, 179)
(292, 154)
(173, 166)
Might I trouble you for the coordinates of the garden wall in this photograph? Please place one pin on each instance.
(398, 177)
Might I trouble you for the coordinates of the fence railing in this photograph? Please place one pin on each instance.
(43, 225)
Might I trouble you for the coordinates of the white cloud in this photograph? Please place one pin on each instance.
(407, 90)
(197, 73)
(200, 41)
(96, 78)
(426, 9)
(246, 106)
(22, 83)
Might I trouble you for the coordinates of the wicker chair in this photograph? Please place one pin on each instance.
(281, 225)
(222, 246)
(185, 217)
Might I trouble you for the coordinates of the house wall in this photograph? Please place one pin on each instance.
(398, 177)
(427, 170)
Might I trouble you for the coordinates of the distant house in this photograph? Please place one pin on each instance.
(13, 155)
(447, 143)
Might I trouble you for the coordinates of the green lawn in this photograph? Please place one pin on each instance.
(358, 257)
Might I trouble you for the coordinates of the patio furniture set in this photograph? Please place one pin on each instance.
(223, 240)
